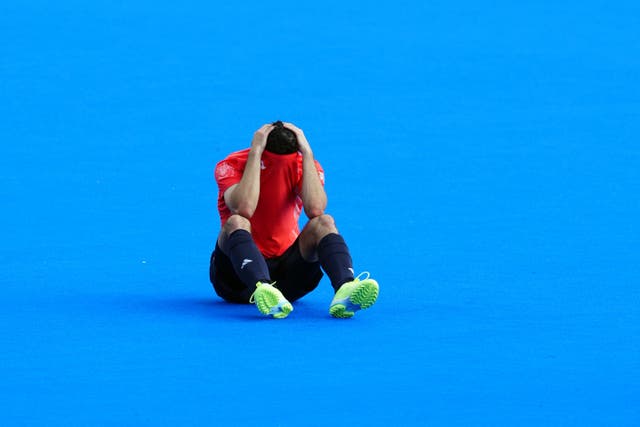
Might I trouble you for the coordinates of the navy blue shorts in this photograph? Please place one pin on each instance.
(294, 276)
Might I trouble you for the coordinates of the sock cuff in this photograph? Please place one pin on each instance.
(238, 237)
(329, 240)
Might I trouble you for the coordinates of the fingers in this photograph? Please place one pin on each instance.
(259, 141)
(292, 127)
(295, 130)
(265, 129)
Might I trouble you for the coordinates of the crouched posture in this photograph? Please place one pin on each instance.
(261, 256)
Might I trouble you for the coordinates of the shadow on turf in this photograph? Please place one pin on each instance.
(188, 306)
(200, 307)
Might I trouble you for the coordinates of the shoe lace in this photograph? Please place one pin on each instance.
(251, 298)
(364, 273)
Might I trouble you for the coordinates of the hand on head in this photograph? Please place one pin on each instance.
(261, 138)
(303, 144)
(259, 141)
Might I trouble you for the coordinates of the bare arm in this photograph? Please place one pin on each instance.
(314, 198)
(242, 198)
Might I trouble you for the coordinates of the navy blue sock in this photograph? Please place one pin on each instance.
(335, 259)
(247, 260)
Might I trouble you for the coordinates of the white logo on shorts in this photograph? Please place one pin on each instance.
(245, 262)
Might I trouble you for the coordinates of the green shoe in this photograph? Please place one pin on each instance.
(270, 301)
(353, 296)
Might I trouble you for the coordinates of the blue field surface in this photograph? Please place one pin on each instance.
(482, 161)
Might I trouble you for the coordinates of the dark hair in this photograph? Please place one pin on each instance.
(281, 140)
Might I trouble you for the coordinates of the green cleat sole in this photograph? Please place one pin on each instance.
(340, 311)
(284, 311)
(354, 296)
(270, 301)
(366, 294)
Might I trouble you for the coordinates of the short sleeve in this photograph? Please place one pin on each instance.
(227, 173)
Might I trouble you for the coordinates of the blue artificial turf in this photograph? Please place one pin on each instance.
(482, 161)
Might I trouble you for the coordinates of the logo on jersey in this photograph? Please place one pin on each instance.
(225, 170)
(245, 262)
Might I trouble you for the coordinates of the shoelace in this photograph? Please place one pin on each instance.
(251, 298)
(357, 279)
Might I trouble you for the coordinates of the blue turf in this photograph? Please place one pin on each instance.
(482, 161)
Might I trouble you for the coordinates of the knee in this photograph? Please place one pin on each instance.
(324, 224)
(236, 222)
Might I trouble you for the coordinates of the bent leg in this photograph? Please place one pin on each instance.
(234, 223)
(319, 240)
(236, 242)
(224, 279)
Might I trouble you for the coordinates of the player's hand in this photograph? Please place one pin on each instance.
(303, 144)
(259, 141)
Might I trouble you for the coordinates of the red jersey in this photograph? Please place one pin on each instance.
(274, 224)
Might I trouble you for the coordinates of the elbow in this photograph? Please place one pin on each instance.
(315, 207)
(314, 211)
(244, 211)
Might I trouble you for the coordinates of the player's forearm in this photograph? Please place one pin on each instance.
(314, 198)
(244, 198)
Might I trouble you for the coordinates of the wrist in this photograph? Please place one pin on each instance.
(256, 150)
(255, 157)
